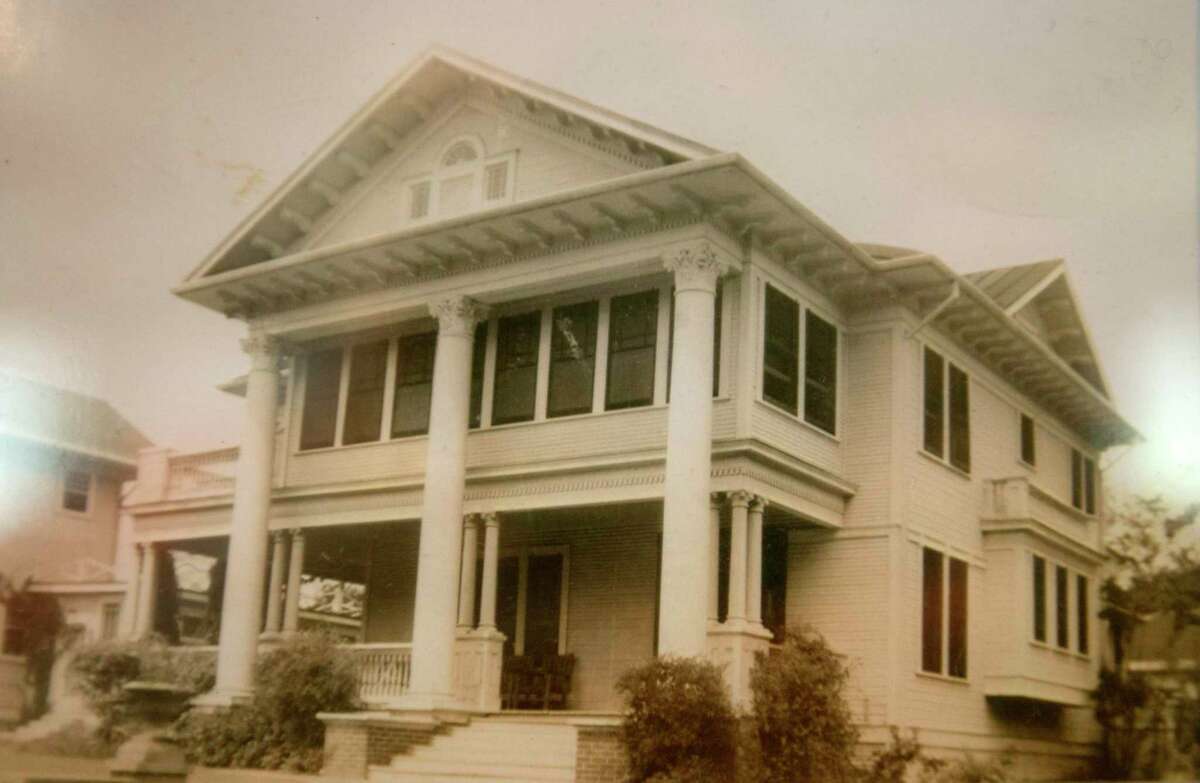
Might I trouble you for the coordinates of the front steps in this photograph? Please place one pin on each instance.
(494, 749)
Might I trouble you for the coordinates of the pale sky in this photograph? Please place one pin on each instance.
(135, 135)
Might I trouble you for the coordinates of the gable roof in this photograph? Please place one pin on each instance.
(49, 416)
(438, 77)
(1044, 288)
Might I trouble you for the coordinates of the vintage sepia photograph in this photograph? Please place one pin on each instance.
(607, 392)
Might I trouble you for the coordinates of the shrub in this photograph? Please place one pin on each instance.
(969, 770)
(800, 714)
(279, 729)
(679, 725)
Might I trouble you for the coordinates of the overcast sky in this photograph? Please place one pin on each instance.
(135, 135)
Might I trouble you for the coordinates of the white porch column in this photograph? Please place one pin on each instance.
(685, 539)
(275, 585)
(147, 591)
(241, 614)
(438, 563)
(491, 564)
(714, 557)
(754, 562)
(133, 588)
(740, 501)
(291, 606)
(466, 584)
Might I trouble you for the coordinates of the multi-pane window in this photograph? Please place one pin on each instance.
(781, 350)
(572, 359)
(943, 614)
(1083, 482)
(515, 391)
(464, 181)
(478, 362)
(1028, 441)
(1081, 613)
(318, 426)
(364, 395)
(947, 411)
(77, 485)
(415, 355)
(1062, 599)
(632, 341)
(820, 372)
(1039, 598)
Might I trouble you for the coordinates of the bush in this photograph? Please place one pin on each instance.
(800, 715)
(679, 725)
(279, 729)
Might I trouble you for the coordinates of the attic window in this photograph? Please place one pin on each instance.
(459, 152)
(465, 181)
(495, 181)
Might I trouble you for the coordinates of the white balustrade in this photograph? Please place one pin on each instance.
(203, 473)
(383, 670)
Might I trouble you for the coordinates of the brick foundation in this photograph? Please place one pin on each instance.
(354, 741)
(599, 755)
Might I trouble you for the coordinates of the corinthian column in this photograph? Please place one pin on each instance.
(686, 539)
(440, 549)
(241, 613)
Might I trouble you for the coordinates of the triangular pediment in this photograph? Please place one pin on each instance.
(354, 182)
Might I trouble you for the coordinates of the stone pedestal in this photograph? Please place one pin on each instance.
(478, 659)
(732, 645)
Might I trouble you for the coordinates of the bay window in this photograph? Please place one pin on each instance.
(1039, 598)
(781, 350)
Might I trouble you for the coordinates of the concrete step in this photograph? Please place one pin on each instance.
(479, 768)
(519, 757)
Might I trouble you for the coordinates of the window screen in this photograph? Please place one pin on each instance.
(415, 356)
(632, 341)
(364, 397)
(572, 359)
(513, 397)
(318, 424)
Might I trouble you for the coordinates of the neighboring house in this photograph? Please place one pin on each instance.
(63, 458)
(562, 383)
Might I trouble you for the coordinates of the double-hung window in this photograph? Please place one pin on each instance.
(572, 359)
(1039, 598)
(632, 344)
(1071, 593)
(1028, 441)
(318, 426)
(781, 350)
(1083, 482)
(782, 361)
(943, 614)
(364, 396)
(415, 355)
(947, 410)
(515, 391)
(77, 488)
(820, 372)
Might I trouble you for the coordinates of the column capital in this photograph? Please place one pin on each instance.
(297, 533)
(490, 519)
(457, 315)
(697, 265)
(758, 503)
(716, 499)
(277, 535)
(264, 351)
(470, 520)
(740, 498)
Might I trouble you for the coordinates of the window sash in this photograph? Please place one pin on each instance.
(935, 403)
(781, 350)
(478, 364)
(820, 372)
(572, 359)
(1082, 618)
(1076, 479)
(1062, 632)
(1089, 486)
(363, 418)
(960, 420)
(957, 619)
(1028, 441)
(515, 390)
(632, 350)
(415, 357)
(322, 385)
(933, 596)
(1039, 598)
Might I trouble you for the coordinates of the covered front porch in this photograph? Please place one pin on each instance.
(568, 594)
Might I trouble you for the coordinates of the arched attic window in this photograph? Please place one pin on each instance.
(465, 180)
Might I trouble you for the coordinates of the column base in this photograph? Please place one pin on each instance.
(732, 645)
(217, 700)
(478, 658)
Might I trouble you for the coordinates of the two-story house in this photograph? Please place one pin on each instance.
(564, 384)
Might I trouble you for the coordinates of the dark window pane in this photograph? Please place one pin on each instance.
(632, 338)
(514, 396)
(1081, 610)
(364, 396)
(820, 372)
(543, 604)
(319, 422)
(958, 619)
(478, 356)
(572, 359)
(1089, 486)
(1076, 479)
(1028, 444)
(931, 611)
(935, 369)
(960, 420)
(1062, 633)
(781, 347)
(1039, 598)
(508, 577)
(774, 581)
(414, 384)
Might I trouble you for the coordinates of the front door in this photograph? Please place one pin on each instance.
(530, 596)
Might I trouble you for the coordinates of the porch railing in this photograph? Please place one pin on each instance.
(383, 669)
(204, 473)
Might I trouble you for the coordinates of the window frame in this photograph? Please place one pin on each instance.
(394, 382)
(1084, 480)
(652, 293)
(946, 413)
(946, 629)
(593, 306)
(1022, 418)
(804, 310)
(1078, 600)
(537, 316)
(65, 489)
(478, 169)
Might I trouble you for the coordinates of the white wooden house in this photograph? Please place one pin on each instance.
(558, 382)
